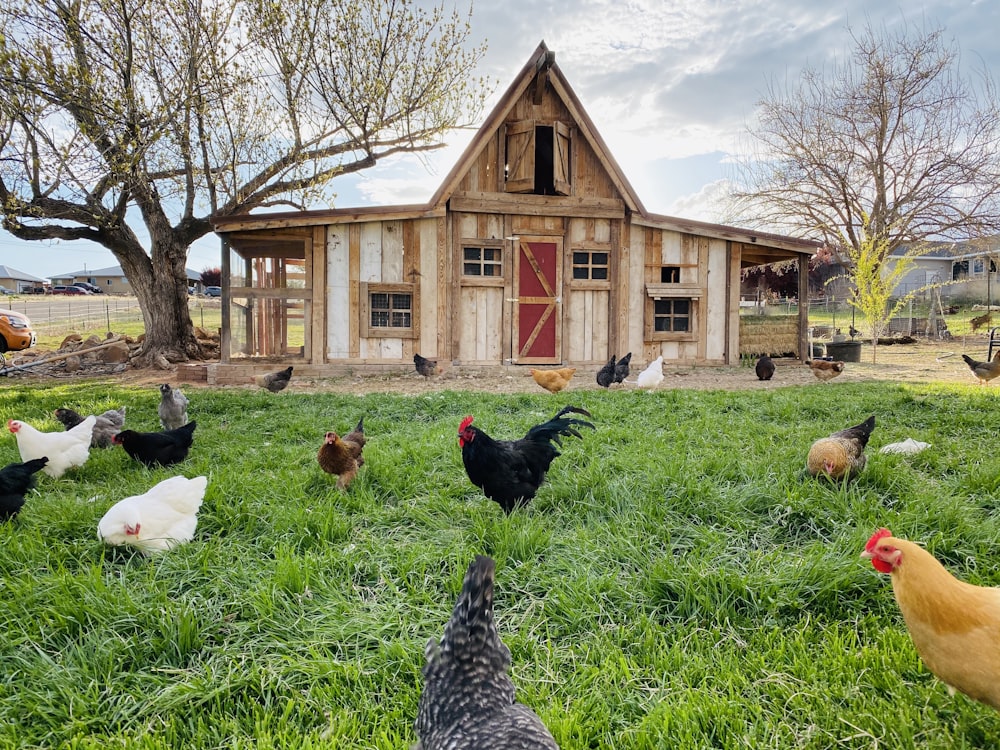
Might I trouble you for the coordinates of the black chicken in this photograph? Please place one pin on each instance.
(606, 375)
(424, 366)
(275, 381)
(509, 472)
(764, 367)
(622, 369)
(162, 448)
(468, 697)
(15, 481)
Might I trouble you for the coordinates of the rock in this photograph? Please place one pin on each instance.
(73, 363)
(71, 341)
(92, 340)
(115, 353)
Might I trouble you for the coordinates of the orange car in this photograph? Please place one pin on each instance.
(15, 331)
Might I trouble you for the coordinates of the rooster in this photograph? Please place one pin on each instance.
(342, 456)
(985, 371)
(652, 376)
(955, 626)
(553, 380)
(157, 448)
(274, 381)
(108, 424)
(15, 481)
(159, 519)
(173, 407)
(764, 367)
(824, 369)
(468, 698)
(425, 367)
(509, 472)
(842, 455)
(65, 450)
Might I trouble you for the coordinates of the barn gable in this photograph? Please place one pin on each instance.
(535, 249)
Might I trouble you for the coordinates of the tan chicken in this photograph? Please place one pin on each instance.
(985, 371)
(342, 455)
(553, 380)
(842, 455)
(824, 369)
(955, 626)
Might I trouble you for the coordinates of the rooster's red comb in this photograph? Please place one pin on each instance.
(465, 423)
(880, 534)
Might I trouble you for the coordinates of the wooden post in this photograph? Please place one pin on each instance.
(804, 352)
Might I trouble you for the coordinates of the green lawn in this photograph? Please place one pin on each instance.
(676, 583)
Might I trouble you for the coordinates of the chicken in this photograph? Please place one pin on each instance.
(842, 455)
(553, 380)
(652, 376)
(955, 626)
(764, 367)
(65, 450)
(273, 381)
(509, 472)
(161, 518)
(825, 369)
(342, 456)
(157, 448)
(985, 371)
(173, 407)
(468, 700)
(606, 375)
(15, 481)
(426, 367)
(622, 368)
(106, 427)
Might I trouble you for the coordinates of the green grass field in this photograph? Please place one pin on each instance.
(676, 583)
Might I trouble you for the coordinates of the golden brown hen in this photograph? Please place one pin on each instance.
(553, 380)
(342, 455)
(985, 371)
(842, 455)
(824, 369)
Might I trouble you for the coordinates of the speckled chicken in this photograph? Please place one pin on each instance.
(106, 426)
(342, 455)
(842, 455)
(275, 382)
(173, 407)
(468, 701)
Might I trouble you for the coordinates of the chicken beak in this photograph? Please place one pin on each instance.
(866, 555)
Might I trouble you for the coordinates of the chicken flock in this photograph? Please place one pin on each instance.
(468, 698)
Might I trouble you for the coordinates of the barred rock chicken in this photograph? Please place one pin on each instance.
(764, 367)
(342, 456)
(65, 450)
(15, 481)
(468, 700)
(622, 368)
(157, 448)
(842, 455)
(158, 520)
(652, 376)
(985, 371)
(553, 380)
(108, 424)
(955, 626)
(509, 472)
(824, 369)
(606, 375)
(425, 367)
(173, 407)
(275, 381)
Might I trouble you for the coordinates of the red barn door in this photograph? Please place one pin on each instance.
(538, 278)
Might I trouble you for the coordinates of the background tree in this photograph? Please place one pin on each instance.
(125, 118)
(886, 149)
(211, 276)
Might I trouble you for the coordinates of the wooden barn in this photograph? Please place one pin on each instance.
(534, 250)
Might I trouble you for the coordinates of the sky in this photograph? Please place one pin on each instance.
(670, 85)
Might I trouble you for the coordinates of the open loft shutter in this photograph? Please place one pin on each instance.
(520, 157)
(561, 158)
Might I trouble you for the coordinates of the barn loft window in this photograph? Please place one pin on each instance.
(388, 310)
(590, 265)
(670, 275)
(482, 261)
(537, 158)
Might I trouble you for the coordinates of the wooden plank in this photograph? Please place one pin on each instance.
(539, 205)
(391, 246)
(226, 339)
(425, 237)
(228, 224)
(354, 290)
(370, 249)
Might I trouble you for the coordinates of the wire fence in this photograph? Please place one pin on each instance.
(56, 314)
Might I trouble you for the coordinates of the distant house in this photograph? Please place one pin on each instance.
(932, 266)
(16, 280)
(113, 280)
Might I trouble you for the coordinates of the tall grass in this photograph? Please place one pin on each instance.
(676, 583)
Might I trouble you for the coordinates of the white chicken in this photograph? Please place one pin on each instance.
(162, 518)
(652, 376)
(63, 449)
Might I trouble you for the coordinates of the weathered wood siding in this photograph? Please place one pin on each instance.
(587, 303)
(481, 318)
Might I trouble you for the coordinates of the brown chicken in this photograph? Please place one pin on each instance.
(955, 626)
(342, 455)
(553, 380)
(842, 455)
(985, 371)
(425, 367)
(824, 369)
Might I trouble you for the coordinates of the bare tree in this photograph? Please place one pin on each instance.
(165, 113)
(887, 149)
